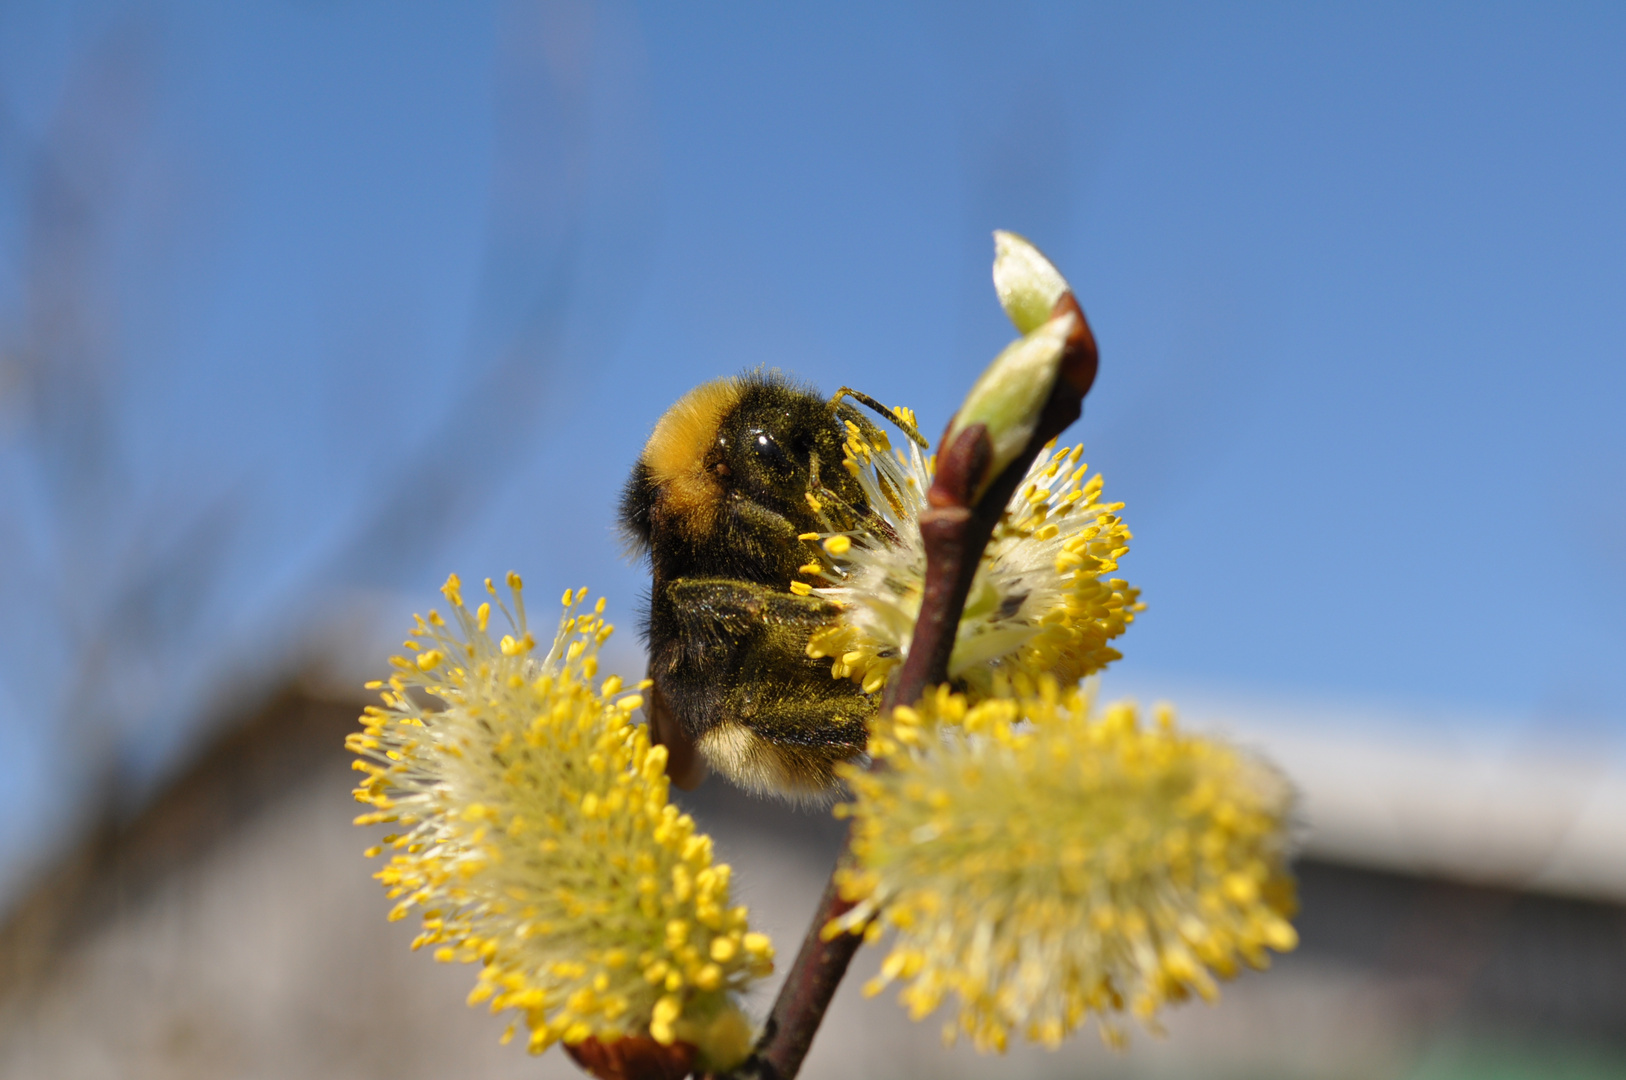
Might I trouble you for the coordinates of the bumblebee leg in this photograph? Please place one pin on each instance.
(684, 764)
(736, 677)
(721, 630)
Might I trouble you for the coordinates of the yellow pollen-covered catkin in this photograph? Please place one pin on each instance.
(532, 812)
(1039, 861)
(1045, 600)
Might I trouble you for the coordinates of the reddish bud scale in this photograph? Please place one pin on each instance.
(635, 1057)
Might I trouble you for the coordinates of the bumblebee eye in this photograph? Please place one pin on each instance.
(768, 450)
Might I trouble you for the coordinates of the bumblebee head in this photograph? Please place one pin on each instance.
(756, 441)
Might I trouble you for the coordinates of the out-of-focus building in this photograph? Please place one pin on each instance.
(230, 929)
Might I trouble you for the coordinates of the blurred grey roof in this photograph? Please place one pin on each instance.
(1463, 798)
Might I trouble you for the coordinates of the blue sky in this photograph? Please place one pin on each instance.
(1357, 274)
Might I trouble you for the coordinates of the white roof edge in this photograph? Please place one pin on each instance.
(1484, 804)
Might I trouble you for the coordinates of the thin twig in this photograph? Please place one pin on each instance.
(955, 532)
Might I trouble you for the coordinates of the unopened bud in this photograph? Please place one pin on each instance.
(1011, 394)
(1027, 283)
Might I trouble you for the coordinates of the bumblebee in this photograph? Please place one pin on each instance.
(719, 503)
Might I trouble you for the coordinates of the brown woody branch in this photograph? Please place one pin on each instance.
(955, 531)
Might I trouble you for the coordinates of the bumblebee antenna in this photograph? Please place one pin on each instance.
(864, 399)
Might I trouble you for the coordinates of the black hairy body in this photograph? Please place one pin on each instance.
(718, 501)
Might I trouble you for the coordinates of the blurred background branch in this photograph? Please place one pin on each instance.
(128, 548)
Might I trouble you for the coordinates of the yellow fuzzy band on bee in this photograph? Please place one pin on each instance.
(676, 454)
